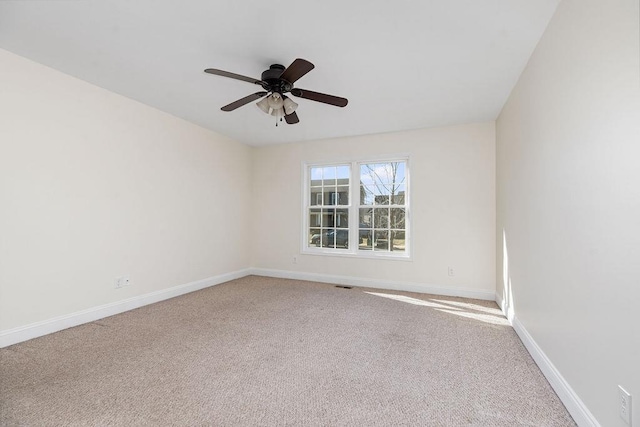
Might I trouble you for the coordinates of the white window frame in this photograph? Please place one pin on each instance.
(353, 207)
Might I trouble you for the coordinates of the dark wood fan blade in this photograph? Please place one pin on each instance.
(320, 97)
(233, 76)
(243, 101)
(292, 118)
(297, 69)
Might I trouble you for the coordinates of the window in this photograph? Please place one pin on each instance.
(360, 208)
(328, 212)
(382, 209)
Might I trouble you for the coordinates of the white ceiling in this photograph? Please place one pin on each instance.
(403, 64)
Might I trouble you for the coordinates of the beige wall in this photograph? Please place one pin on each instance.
(568, 174)
(94, 186)
(453, 206)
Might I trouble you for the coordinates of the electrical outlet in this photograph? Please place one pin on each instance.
(450, 271)
(126, 281)
(625, 405)
(295, 260)
(118, 282)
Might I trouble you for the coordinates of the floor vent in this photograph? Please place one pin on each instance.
(344, 287)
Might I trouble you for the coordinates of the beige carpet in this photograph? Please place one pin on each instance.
(262, 351)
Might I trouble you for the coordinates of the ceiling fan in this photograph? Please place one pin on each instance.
(276, 82)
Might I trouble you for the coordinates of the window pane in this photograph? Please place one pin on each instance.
(383, 174)
(328, 238)
(366, 240)
(315, 197)
(342, 238)
(381, 241)
(397, 241)
(330, 195)
(328, 218)
(387, 172)
(342, 218)
(397, 218)
(400, 172)
(381, 199)
(365, 233)
(314, 237)
(377, 173)
(329, 175)
(315, 217)
(343, 195)
(366, 194)
(381, 218)
(366, 175)
(397, 194)
(316, 175)
(343, 172)
(366, 218)
(372, 173)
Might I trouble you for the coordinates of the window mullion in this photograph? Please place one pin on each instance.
(354, 191)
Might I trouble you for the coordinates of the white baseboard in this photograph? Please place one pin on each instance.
(378, 284)
(506, 310)
(578, 410)
(499, 301)
(38, 329)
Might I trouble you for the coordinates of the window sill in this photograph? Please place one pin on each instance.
(357, 255)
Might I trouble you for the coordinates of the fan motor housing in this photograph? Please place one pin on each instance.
(272, 78)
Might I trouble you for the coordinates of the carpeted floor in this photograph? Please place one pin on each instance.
(263, 351)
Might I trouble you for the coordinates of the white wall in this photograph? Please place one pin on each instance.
(568, 174)
(94, 186)
(452, 191)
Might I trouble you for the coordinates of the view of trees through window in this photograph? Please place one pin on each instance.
(380, 207)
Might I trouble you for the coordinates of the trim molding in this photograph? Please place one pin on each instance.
(38, 329)
(499, 301)
(578, 410)
(378, 284)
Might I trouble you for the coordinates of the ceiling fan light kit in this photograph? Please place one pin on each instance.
(289, 106)
(277, 105)
(263, 104)
(275, 101)
(276, 81)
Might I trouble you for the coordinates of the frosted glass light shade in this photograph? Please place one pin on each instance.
(275, 101)
(289, 106)
(263, 104)
(278, 112)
